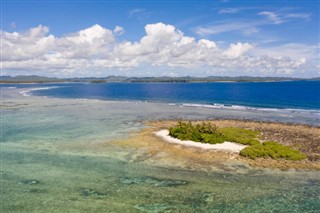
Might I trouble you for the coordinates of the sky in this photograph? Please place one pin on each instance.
(82, 38)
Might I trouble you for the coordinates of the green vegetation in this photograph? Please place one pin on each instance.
(271, 149)
(205, 132)
(97, 81)
(239, 135)
(208, 133)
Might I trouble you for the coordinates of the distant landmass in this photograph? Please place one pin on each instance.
(42, 79)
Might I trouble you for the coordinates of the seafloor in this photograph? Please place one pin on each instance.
(75, 155)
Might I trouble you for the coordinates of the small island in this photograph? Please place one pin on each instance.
(261, 144)
(206, 132)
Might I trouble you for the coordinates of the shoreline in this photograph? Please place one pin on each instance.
(302, 137)
(225, 146)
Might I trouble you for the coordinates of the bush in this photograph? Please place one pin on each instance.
(271, 149)
(208, 133)
(239, 135)
(205, 132)
(212, 138)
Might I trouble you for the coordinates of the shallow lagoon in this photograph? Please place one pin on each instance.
(50, 163)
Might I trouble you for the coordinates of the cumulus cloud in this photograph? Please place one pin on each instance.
(95, 50)
(94, 41)
(26, 45)
(236, 50)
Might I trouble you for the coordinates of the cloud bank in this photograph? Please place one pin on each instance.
(98, 50)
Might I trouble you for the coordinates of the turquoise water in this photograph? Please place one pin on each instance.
(57, 155)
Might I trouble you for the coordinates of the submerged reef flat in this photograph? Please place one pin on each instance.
(304, 138)
(86, 155)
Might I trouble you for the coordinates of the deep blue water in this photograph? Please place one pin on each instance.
(291, 94)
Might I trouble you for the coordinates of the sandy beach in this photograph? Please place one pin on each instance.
(158, 148)
(226, 146)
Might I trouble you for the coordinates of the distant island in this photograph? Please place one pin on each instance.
(165, 79)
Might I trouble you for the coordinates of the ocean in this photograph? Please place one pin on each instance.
(277, 95)
(62, 150)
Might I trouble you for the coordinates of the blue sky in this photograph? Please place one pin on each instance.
(156, 38)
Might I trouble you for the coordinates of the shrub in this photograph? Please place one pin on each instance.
(213, 138)
(208, 133)
(205, 132)
(239, 135)
(271, 149)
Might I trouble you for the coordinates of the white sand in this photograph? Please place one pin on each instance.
(226, 146)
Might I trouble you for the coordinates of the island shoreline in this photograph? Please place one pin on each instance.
(225, 146)
(301, 137)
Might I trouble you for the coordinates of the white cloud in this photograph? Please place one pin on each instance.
(272, 16)
(90, 35)
(236, 50)
(247, 27)
(26, 45)
(295, 51)
(135, 11)
(139, 13)
(232, 10)
(304, 16)
(95, 50)
(250, 31)
(94, 41)
(118, 30)
(229, 10)
(279, 18)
